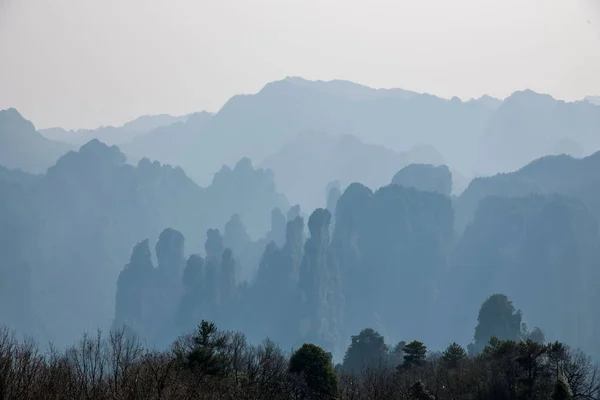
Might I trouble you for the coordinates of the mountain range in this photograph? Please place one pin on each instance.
(22, 147)
(111, 134)
(477, 137)
(70, 216)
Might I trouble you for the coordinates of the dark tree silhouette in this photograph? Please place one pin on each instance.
(367, 349)
(314, 365)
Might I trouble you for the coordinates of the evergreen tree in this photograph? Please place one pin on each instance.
(497, 318)
(367, 349)
(537, 335)
(414, 354)
(208, 357)
(453, 355)
(419, 392)
(315, 366)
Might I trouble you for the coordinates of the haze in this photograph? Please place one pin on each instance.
(300, 200)
(82, 64)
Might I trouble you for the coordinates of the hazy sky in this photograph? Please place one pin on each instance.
(84, 63)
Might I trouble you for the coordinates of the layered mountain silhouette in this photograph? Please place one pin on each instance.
(529, 125)
(532, 232)
(425, 177)
(111, 134)
(477, 137)
(305, 165)
(69, 231)
(561, 174)
(182, 146)
(22, 147)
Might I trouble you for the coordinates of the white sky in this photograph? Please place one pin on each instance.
(85, 63)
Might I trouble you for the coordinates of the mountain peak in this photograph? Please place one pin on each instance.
(342, 88)
(528, 98)
(93, 152)
(11, 120)
(489, 101)
(11, 112)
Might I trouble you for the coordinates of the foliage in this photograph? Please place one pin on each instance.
(561, 390)
(207, 355)
(215, 364)
(453, 355)
(367, 349)
(314, 365)
(497, 318)
(414, 354)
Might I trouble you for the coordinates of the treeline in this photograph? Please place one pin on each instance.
(213, 364)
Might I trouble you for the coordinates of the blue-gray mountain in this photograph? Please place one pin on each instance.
(65, 234)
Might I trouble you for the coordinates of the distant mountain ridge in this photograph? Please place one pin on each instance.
(559, 174)
(182, 143)
(491, 102)
(309, 161)
(593, 99)
(477, 137)
(111, 134)
(529, 125)
(350, 90)
(22, 147)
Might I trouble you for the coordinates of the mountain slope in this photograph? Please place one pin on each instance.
(22, 147)
(529, 125)
(175, 144)
(541, 251)
(476, 137)
(111, 134)
(259, 125)
(306, 164)
(561, 174)
(65, 235)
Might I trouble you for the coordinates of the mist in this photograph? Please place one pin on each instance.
(307, 200)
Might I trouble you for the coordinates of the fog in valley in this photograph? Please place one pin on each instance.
(255, 206)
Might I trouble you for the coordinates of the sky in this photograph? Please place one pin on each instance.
(87, 63)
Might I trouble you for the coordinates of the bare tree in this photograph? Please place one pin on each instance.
(581, 374)
(123, 356)
(89, 362)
